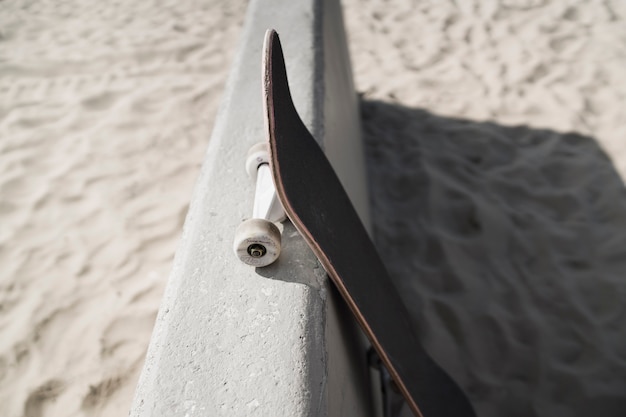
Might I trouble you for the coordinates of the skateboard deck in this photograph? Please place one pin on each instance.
(318, 206)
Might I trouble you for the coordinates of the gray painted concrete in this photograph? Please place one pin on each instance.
(277, 341)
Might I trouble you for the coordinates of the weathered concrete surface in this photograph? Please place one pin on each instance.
(232, 340)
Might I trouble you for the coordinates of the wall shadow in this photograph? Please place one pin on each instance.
(508, 245)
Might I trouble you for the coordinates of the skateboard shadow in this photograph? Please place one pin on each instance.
(291, 262)
(508, 244)
(345, 343)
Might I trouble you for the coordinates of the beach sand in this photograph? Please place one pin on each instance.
(496, 143)
(106, 112)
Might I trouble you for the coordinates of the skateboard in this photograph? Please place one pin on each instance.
(313, 198)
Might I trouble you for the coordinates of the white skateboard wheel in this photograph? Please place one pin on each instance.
(257, 155)
(257, 242)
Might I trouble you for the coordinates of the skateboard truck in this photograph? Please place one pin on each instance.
(392, 399)
(257, 240)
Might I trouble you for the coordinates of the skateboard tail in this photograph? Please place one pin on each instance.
(320, 209)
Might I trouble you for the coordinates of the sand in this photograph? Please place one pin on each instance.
(106, 110)
(506, 233)
(496, 137)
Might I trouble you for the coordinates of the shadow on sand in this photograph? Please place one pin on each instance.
(509, 247)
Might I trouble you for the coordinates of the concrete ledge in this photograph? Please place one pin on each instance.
(234, 341)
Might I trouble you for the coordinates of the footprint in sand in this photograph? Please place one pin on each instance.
(37, 400)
